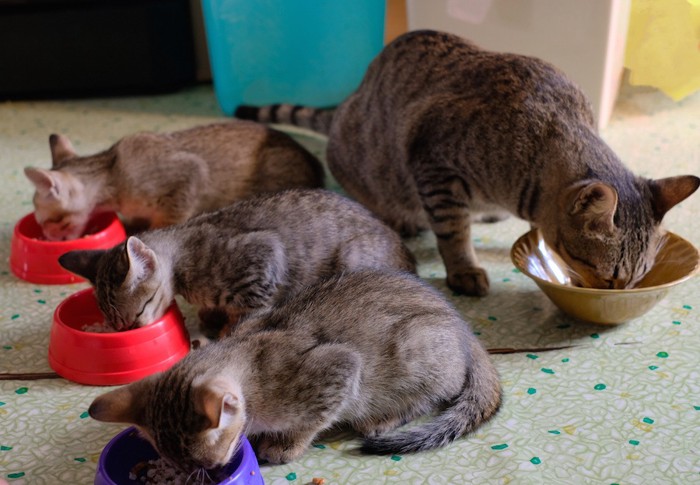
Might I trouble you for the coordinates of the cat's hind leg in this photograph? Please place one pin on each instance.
(327, 379)
(447, 198)
(179, 211)
(180, 191)
(376, 251)
(384, 187)
(374, 428)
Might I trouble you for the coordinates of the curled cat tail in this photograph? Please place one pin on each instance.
(478, 402)
(316, 119)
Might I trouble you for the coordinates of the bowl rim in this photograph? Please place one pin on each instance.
(111, 378)
(153, 327)
(601, 291)
(248, 460)
(72, 352)
(114, 224)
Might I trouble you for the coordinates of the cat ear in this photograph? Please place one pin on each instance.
(45, 181)
(82, 263)
(594, 207)
(61, 148)
(119, 406)
(668, 192)
(218, 406)
(142, 260)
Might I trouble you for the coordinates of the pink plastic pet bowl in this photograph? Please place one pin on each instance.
(112, 358)
(126, 450)
(34, 259)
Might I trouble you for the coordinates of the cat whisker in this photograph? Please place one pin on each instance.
(205, 474)
(197, 474)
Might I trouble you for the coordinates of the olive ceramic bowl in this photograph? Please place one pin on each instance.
(677, 261)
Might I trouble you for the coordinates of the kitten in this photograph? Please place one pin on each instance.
(155, 180)
(368, 349)
(440, 129)
(242, 257)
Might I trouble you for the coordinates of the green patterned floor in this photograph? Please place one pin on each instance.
(621, 405)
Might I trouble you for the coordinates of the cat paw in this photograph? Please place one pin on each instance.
(474, 282)
(212, 321)
(277, 453)
(215, 323)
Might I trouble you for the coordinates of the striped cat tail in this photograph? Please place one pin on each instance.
(316, 119)
(478, 402)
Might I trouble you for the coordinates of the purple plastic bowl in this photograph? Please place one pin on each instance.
(127, 449)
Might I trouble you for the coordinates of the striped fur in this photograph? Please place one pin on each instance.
(316, 119)
(243, 257)
(441, 130)
(367, 349)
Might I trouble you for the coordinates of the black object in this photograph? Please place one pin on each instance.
(89, 47)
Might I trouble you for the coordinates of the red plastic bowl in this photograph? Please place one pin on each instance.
(35, 259)
(106, 359)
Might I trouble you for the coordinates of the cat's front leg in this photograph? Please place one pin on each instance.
(234, 315)
(217, 322)
(447, 200)
(281, 448)
(472, 281)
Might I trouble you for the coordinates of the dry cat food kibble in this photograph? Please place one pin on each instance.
(89, 232)
(159, 472)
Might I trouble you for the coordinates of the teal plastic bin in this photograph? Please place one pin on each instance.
(309, 52)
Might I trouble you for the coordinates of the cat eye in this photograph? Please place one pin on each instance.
(145, 305)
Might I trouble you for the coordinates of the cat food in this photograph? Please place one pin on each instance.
(97, 327)
(90, 232)
(318, 481)
(159, 472)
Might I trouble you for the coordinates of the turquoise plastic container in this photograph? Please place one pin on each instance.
(309, 52)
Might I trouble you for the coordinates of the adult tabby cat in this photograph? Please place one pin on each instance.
(368, 349)
(155, 180)
(245, 256)
(440, 129)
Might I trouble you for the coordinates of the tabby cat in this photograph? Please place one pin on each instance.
(243, 257)
(155, 180)
(368, 349)
(440, 130)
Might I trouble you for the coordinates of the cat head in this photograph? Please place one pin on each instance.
(193, 423)
(131, 286)
(61, 206)
(609, 244)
